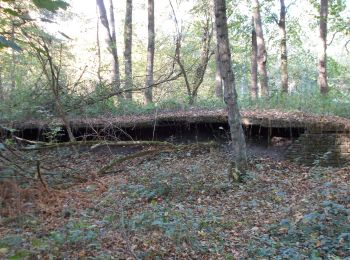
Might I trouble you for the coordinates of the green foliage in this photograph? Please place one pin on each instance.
(127, 107)
(7, 43)
(74, 233)
(336, 102)
(210, 103)
(320, 234)
(51, 5)
(172, 104)
(180, 225)
(54, 133)
(96, 109)
(164, 191)
(11, 240)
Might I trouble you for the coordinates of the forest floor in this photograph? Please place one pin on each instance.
(175, 205)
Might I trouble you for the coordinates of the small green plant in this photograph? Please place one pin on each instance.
(76, 232)
(54, 134)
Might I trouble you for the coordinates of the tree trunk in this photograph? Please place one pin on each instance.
(262, 54)
(128, 49)
(113, 47)
(254, 65)
(2, 92)
(218, 78)
(98, 48)
(322, 60)
(239, 164)
(111, 40)
(13, 58)
(52, 72)
(283, 47)
(204, 59)
(150, 53)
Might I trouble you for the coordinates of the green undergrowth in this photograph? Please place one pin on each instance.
(311, 101)
(182, 205)
(336, 102)
(183, 226)
(320, 234)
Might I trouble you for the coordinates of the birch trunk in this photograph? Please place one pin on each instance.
(322, 60)
(283, 47)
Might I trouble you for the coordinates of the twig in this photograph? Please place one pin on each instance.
(346, 46)
(40, 177)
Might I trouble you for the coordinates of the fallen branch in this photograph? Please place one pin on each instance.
(22, 140)
(171, 148)
(95, 144)
(117, 161)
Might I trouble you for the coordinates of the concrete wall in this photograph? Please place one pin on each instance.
(323, 149)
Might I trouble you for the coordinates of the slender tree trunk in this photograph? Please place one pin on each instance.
(239, 164)
(150, 53)
(322, 60)
(218, 78)
(111, 39)
(204, 59)
(193, 86)
(13, 57)
(283, 47)
(254, 65)
(113, 47)
(52, 73)
(98, 48)
(262, 54)
(128, 49)
(2, 92)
